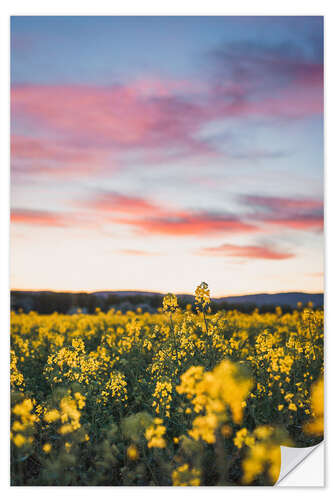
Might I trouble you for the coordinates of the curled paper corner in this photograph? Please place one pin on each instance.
(291, 457)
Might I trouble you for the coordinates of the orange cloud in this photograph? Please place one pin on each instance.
(151, 218)
(188, 224)
(50, 219)
(39, 218)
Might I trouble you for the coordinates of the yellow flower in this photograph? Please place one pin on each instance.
(19, 440)
(226, 431)
(239, 439)
(263, 432)
(47, 447)
(202, 295)
(154, 434)
(132, 452)
(51, 416)
(170, 303)
(184, 476)
(316, 426)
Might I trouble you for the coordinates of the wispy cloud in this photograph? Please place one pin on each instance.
(53, 219)
(40, 218)
(111, 202)
(278, 80)
(190, 224)
(291, 213)
(114, 117)
(35, 155)
(90, 128)
(152, 218)
(247, 251)
(135, 252)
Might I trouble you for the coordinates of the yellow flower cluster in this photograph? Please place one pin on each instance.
(243, 437)
(162, 398)
(16, 377)
(170, 303)
(202, 295)
(155, 434)
(185, 476)
(71, 364)
(263, 453)
(316, 426)
(22, 429)
(216, 392)
(68, 413)
(115, 388)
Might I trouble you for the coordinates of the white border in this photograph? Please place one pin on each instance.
(142, 7)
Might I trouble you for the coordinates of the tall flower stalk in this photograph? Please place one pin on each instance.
(202, 301)
(170, 306)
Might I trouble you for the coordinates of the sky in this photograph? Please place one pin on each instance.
(153, 153)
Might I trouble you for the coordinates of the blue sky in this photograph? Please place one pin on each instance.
(156, 152)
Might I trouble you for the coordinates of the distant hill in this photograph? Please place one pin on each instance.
(280, 299)
(259, 299)
(46, 302)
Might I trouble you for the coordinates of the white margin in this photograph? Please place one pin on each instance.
(143, 7)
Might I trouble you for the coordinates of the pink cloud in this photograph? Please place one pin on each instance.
(188, 224)
(36, 155)
(149, 217)
(292, 102)
(280, 203)
(249, 252)
(39, 218)
(115, 116)
(109, 203)
(45, 218)
(152, 116)
(293, 213)
(126, 116)
(299, 222)
(92, 130)
(144, 216)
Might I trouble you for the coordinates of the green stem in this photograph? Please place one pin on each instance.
(174, 339)
(209, 339)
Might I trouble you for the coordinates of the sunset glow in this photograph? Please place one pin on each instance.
(153, 153)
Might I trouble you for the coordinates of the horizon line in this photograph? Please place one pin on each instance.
(163, 293)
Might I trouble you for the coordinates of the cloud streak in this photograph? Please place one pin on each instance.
(143, 216)
(190, 224)
(301, 214)
(136, 253)
(40, 218)
(247, 251)
(161, 118)
(46, 156)
(151, 218)
(111, 202)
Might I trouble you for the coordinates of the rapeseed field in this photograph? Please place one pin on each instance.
(180, 397)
